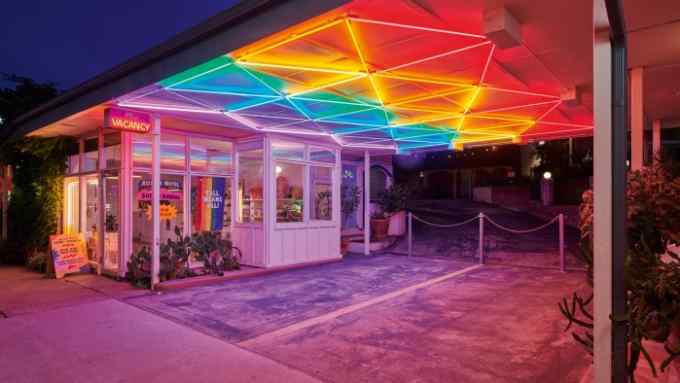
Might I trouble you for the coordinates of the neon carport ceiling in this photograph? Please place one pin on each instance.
(367, 83)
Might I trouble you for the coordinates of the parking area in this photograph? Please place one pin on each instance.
(393, 318)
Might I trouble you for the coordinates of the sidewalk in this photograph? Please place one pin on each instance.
(61, 331)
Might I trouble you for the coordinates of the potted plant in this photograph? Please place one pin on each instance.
(349, 202)
(651, 272)
(380, 223)
(392, 202)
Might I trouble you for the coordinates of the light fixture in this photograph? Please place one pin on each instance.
(547, 175)
(278, 169)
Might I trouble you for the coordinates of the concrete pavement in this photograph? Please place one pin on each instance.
(59, 331)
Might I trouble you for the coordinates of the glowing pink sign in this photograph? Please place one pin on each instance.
(121, 119)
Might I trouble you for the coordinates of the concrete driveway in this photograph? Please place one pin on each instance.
(376, 319)
(394, 319)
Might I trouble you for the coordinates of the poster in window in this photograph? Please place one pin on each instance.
(209, 216)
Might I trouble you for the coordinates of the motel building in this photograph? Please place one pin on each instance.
(249, 123)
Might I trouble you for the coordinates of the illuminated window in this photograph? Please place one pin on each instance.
(289, 192)
(249, 198)
(321, 188)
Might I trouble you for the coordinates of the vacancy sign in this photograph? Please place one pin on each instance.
(68, 253)
(131, 121)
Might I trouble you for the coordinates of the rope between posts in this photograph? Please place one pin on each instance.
(447, 225)
(515, 231)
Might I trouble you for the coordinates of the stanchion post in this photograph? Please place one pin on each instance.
(410, 233)
(481, 238)
(560, 219)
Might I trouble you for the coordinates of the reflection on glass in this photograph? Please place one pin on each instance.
(289, 192)
(91, 156)
(321, 183)
(172, 151)
(249, 198)
(112, 151)
(211, 156)
(322, 155)
(288, 150)
(141, 151)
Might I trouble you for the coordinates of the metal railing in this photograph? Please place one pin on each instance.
(482, 217)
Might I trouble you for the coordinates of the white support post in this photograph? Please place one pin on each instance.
(560, 220)
(637, 123)
(101, 202)
(656, 139)
(480, 249)
(156, 200)
(410, 233)
(367, 203)
(602, 188)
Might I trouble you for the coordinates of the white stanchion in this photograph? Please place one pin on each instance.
(481, 238)
(410, 233)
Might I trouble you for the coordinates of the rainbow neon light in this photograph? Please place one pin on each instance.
(364, 82)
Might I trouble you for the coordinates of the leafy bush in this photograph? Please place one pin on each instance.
(218, 255)
(394, 198)
(652, 275)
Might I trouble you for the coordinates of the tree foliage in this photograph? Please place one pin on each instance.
(38, 166)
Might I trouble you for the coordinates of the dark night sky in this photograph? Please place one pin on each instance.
(68, 42)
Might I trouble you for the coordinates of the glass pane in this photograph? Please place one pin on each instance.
(141, 151)
(73, 165)
(111, 221)
(321, 183)
(172, 152)
(91, 155)
(92, 207)
(250, 178)
(112, 151)
(288, 150)
(211, 156)
(322, 155)
(289, 192)
(172, 208)
(210, 204)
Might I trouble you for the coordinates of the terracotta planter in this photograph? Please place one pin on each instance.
(344, 245)
(397, 224)
(379, 227)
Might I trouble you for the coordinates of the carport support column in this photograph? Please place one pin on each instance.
(637, 119)
(656, 139)
(367, 203)
(156, 200)
(610, 96)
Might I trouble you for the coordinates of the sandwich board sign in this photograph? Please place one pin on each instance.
(68, 254)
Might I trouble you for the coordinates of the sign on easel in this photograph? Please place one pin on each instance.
(68, 254)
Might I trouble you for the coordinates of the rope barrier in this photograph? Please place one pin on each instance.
(516, 231)
(447, 225)
(559, 219)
